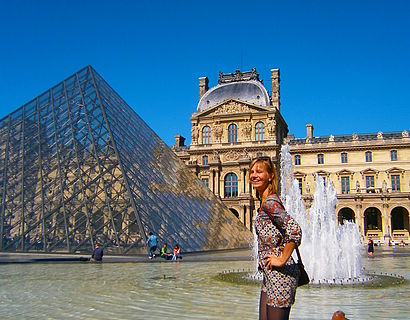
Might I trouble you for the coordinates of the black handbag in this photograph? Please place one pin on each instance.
(304, 277)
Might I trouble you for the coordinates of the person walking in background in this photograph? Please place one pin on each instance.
(278, 235)
(370, 247)
(98, 253)
(152, 243)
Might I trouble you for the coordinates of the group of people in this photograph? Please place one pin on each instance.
(152, 243)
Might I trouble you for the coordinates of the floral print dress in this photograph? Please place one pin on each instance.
(274, 228)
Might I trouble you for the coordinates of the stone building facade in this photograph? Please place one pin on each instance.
(371, 174)
(238, 120)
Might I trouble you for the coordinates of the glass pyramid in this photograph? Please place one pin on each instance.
(78, 165)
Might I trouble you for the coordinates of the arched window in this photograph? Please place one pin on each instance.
(231, 186)
(205, 160)
(232, 133)
(206, 135)
(259, 131)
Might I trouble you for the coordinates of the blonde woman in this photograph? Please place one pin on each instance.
(278, 235)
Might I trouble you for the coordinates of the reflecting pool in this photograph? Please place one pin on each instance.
(184, 290)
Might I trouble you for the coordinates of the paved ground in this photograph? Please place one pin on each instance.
(225, 255)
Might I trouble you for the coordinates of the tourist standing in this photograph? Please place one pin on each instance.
(98, 253)
(370, 247)
(152, 243)
(278, 235)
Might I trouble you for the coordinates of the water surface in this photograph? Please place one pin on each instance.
(185, 290)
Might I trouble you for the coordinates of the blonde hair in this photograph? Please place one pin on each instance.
(270, 168)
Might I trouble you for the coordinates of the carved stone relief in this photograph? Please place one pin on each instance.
(271, 127)
(194, 133)
(231, 156)
(232, 107)
(218, 130)
(246, 130)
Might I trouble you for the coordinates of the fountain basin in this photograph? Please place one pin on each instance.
(369, 280)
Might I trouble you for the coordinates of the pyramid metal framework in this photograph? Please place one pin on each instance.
(78, 165)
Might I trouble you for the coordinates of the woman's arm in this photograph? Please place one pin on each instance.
(274, 261)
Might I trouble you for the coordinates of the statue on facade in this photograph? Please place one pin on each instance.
(379, 135)
(332, 138)
(246, 130)
(194, 133)
(357, 186)
(405, 134)
(271, 125)
(215, 156)
(355, 137)
(384, 186)
(217, 128)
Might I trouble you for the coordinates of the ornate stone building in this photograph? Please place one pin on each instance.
(371, 174)
(235, 121)
(238, 120)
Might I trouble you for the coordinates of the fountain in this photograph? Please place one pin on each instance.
(331, 251)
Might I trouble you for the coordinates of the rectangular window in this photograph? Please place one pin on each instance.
(297, 160)
(343, 157)
(345, 185)
(300, 184)
(393, 155)
(369, 157)
(205, 160)
(370, 183)
(395, 183)
(320, 158)
(205, 181)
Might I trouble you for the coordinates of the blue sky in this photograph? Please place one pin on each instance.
(345, 65)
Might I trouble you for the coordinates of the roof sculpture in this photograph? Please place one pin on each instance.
(78, 165)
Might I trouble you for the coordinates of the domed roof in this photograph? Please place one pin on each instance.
(251, 91)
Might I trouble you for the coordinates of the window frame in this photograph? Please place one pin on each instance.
(320, 158)
(232, 133)
(370, 183)
(206, 135)
(231, 185)
(343, 157)
(393, 155)
(205, 182)
(368, 156)
(297, 159)
(259, 131)
(345, 187)
(395, 182)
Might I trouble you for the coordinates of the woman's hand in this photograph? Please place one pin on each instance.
(272, 261)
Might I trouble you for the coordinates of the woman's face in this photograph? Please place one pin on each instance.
(259, 176)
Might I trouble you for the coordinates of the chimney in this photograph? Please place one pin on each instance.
(179, 140)
(203, 86)
(309, 131)
(275, 88)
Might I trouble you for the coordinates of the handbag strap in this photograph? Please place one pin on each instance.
(299, 256)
